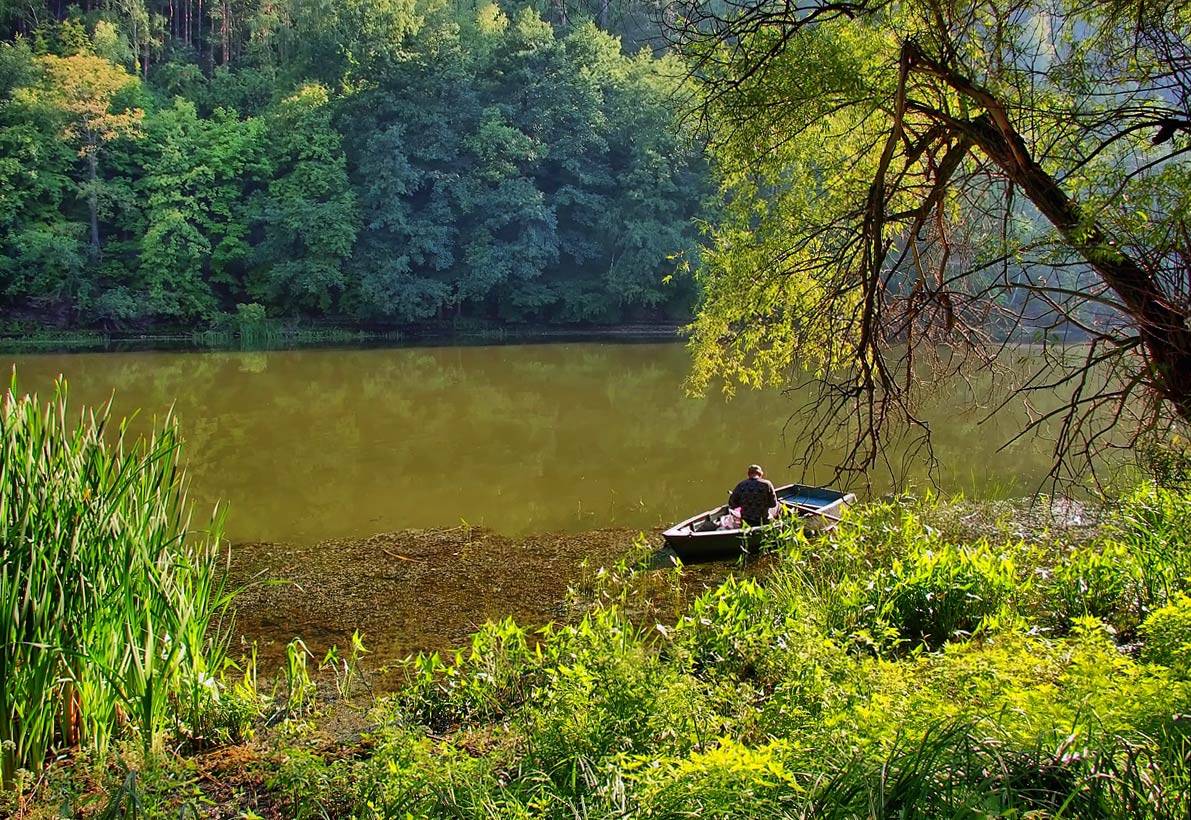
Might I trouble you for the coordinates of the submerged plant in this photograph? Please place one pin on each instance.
(111, 606)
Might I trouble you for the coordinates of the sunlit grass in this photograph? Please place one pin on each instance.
(895, 669)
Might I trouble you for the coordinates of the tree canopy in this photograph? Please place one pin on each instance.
(384, 162)
(917, 187)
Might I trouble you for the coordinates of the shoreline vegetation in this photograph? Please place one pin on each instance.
(20, 337)
(281, 334)
(929, 658)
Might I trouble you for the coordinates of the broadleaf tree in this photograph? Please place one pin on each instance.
(401, 162)
(84, 88)
(308, 219)
(913, 188)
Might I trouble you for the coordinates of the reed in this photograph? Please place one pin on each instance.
(112, 607)
(249, 328)
(16, 337)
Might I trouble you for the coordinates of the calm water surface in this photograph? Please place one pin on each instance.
(309, 445)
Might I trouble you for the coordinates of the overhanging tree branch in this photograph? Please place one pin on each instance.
(939, 165)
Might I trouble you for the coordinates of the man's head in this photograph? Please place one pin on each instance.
(755, 471)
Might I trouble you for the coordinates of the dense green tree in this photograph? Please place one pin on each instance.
(550, 129)
(198, 174)
(334, 41)
(405, 143)
(627, 194)
(82, 89)
(140, 28)
(509, 226)
(395, 161)
(307, 212)
(44, 251)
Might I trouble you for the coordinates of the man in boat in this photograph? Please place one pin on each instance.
(755, 497)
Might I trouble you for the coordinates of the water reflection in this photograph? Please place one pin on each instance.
(306, 445)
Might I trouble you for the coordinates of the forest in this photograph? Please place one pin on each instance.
(171, 164)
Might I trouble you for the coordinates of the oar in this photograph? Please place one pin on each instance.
(807, 508)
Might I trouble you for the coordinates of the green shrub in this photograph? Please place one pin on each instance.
(889, 579)
(483, 681)
(1167, 463)
(1167, 636)
(1154, 528)
(724, 779)
(941, 592)
(1090, 582)
(729, 628)
(874, 535)
(600, 683)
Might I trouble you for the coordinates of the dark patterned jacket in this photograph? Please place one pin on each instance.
(755, 497)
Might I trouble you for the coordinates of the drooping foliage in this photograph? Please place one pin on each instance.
(914, 177)
(375, 162)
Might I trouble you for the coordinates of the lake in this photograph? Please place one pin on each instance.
(308, 445)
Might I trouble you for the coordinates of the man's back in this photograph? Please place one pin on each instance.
(755, 497)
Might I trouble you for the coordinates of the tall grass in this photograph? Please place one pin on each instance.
(1154, 527)
(110, 604)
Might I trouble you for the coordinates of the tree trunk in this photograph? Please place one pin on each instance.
(1162, 326)
(93, 199)
(225, 30)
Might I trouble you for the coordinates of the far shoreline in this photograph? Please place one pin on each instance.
(320, 335)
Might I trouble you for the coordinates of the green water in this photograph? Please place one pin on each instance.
(309, 445)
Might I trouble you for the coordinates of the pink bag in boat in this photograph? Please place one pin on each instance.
(731, 520)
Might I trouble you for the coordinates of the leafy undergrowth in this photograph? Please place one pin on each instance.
(904, 667)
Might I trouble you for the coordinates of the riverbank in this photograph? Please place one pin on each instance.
(429, 590)
(929, 659)
(25, 337)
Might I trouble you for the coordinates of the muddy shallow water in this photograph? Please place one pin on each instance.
(419, 589)
(410, 590)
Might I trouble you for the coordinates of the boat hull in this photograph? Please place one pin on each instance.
(699, 538)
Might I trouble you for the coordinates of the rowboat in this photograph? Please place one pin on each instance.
(700, 538)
